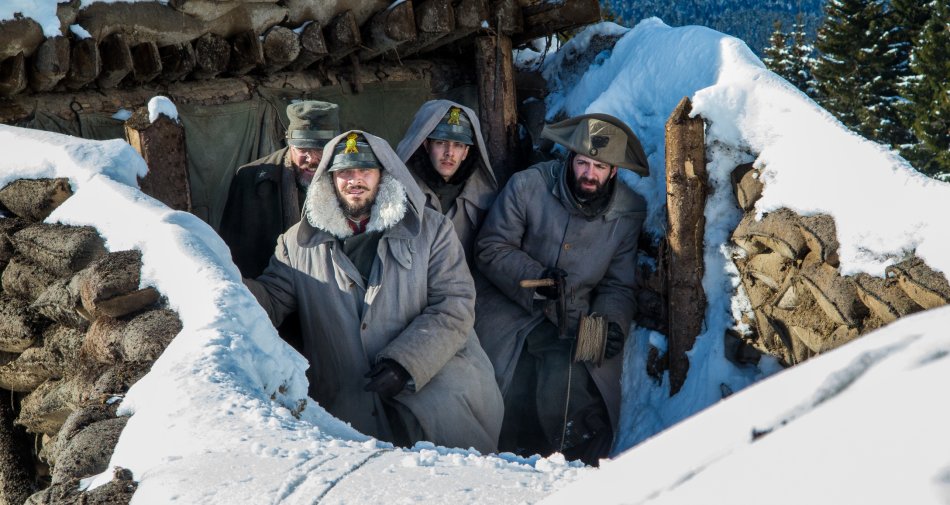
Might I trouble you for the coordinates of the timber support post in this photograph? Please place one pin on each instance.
(686, 189)
(497, 103)
(162, 145)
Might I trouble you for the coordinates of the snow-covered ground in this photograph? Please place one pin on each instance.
(214, 421)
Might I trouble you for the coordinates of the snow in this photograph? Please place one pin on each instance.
(80, 32)
(223, 415)
(161, 105)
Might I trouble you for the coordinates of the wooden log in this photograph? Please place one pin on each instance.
(254, 17)
(507, 17)
(162, 145)
(19, 36)
(686, 184)
(246, 53)
(85, 63)
(546, 18)
(140, 22)
(342, 35)
(178, 60)
(212, 56)
(497, 103)
(388, 29)
(469, 16)
(281, 47)
(13, 75)
(116, 60)
(146, 62)
(313, 47)
(49, 64)
(301, 11)
(435, 19)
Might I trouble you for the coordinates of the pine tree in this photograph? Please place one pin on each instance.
(775, 55)
(855, 69)
(930, 93)
(800, 58)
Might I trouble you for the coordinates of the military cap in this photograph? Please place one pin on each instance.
(454, 126)
(353, 152)
(312, 123)
(601, 137)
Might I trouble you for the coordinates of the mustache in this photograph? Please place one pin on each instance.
(356, 186)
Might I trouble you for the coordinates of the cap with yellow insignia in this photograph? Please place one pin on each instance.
(353, 152)
(454, 126)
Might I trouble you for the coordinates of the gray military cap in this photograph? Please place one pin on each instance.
(601, 137)
(312, 123)
(353, 152)
(454, 126)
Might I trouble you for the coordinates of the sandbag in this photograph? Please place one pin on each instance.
(60, 303)
(821, 237)
(88, 452)
(102, 342)
(110, 286)
(9, 226)
(25, 373)
(17, 324)
(884, 297)
(35, 199)
(25, 280)
(834, 293)
(923, 285)
(47, 407)
(746, 186)
(148, 334)
(60, 249)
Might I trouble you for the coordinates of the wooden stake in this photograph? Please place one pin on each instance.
(162, 145)
(497, 109)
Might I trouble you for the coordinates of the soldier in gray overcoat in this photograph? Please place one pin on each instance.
(386, 304)
(572, 221)
(446, 154)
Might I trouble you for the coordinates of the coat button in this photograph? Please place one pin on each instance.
(567, 247)
(364, 326)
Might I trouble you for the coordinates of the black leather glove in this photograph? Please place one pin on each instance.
(615, 340)
(551, 292)
(387, 378)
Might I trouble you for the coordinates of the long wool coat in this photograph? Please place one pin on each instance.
(535, 224)
(417, 308)
(479, 192)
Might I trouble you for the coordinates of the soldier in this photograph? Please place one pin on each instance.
(446, 154)
(386, 304)
(266, 195)
(573, 223)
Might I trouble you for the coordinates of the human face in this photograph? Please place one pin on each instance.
(591, 176)
(446, 156)
(356, 190)
(306, 160)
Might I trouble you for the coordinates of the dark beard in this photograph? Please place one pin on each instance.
(598, 192)
(354, 212)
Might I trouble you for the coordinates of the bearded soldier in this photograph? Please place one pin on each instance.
(573, 225)
(446, 154)
(266, 195)
(386, 304)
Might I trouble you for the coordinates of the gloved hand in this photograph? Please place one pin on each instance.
(551, 292)
(615, 340)
(387, 378)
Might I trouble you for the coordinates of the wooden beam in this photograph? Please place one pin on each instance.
(435, 19)
(146, 62)
(281, 47)
(686, 189)
(116, 60)
(178, 60)
(162, 145)
(22, 35)
(497, 103)
(85, 63)
(507, 17)
(212, 55)
(49, 64)
(388, 29)
(247, 53)
(13, 75)
(471, 16)
(313, 47)
(343, 35)
(546, 18)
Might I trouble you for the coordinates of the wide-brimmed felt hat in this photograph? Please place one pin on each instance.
(601, 137)
(354, 152)
(312, 123)
(454, 126)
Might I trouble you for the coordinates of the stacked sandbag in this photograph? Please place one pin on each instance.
(77, 329)
(799, 304)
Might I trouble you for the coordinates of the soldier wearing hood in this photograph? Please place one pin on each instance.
(446, 154)
(266, 195)
(572, 223)
(386, 304)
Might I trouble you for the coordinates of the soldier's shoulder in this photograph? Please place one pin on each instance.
(539, 173)
(627, 200)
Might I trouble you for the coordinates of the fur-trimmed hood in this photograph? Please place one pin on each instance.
(398, 194)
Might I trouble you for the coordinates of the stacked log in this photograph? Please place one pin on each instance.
(800, 304)
(76, 331)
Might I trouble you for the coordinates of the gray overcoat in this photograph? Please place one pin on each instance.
(416, 308)
(535, 224)
(479, 192)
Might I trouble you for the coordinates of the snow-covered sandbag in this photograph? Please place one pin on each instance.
(924, 285)
(148, 334)
(820, 237)
(88, 451)
(60, 249)
(884, 297)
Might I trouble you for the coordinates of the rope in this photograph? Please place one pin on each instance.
(591, 339)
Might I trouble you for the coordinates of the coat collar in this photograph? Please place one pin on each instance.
(623, 201)
(322, 209)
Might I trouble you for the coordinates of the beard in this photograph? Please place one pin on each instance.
(354, 211)
(599, 190)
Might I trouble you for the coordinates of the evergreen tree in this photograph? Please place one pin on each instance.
(775, 55)
(855, 69)
(929, 93)
(800, 58)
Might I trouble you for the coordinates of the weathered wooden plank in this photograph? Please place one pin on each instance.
(49, 64)
(497, 110)
(146, 62)
(247, 53)
(13, 75)
(548, 17)
(388, 29)
(212, 55)
(281, 47)
(85, 63)
(686, 186)
(342, 35)
(116, 60)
